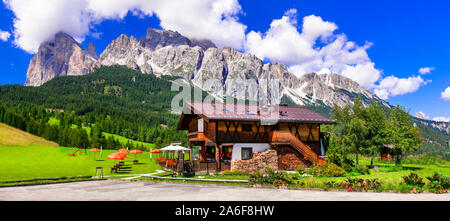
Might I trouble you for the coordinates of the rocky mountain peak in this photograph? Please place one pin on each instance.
(91, 50)
(165, 52)
(60, 56)
(161, 38)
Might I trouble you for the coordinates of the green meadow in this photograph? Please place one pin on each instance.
(389, 174)
(30, 162)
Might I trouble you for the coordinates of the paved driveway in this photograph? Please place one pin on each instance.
(116, 190)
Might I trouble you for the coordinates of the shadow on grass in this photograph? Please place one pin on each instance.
(393, 168)
(140, 163)
(411, 168)
(123, 171)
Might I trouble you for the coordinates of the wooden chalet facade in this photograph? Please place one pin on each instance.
(225, 134)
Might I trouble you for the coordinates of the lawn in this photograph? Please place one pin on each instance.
(29, 162)
(388, 174)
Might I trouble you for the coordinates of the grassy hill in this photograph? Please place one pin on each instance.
(11, 136)
(21, 163)
(120, 102)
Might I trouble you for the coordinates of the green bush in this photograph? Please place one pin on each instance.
(438, 183)
(352, 184)
(300, 169)
(271, 177)
(311, 171)
(330, 185)
(363, 170)
(413, 180)
(331, 170)
(328, 170)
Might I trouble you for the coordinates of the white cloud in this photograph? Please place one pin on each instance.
(37, 21)
(421, 115)
(393, 86)
(446, 94)
(426, 70)
(315, 49)
(4, 35)
(442, 119)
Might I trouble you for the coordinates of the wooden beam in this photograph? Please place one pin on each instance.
(236, 133)
(310, 134)
(217, 158)
(227, 125)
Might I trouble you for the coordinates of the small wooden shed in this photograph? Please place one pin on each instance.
(388, 152)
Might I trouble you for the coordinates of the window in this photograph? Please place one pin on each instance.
(246, 127)
(247, 153)
(200, 125)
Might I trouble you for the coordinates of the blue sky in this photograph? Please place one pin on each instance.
(401, 37)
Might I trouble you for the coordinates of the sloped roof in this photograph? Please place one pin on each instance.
(245, 112)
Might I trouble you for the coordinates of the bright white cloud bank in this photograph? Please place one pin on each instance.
(38, 20)
(4, 35)
(446, 94)
(312, 46)
(315, 49)
(393, 86)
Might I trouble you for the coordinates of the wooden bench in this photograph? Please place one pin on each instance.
(114, 168)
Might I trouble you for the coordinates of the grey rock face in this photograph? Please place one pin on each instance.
(61, 56)
(219, 71)
(91, 50)
(158, 38)
(443, 127)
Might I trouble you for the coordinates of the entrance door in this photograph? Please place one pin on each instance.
(225, 157)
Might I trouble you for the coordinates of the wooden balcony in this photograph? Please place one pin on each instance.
(196, 136)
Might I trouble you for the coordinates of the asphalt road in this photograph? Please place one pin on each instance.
(117, 190)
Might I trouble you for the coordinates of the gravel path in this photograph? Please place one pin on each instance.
(117, 190)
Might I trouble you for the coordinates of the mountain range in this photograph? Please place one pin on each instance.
(165, 52)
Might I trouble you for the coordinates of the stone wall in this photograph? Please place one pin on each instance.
(259, 162)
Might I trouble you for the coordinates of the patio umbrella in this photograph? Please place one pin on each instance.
(154, 151)
(115, 156)
(94, 150)
(135, 151)
(174, 148)
(123, 151)
(122, 154)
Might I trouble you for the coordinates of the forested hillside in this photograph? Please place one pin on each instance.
(435, 141)
(122, 101)
(114, 99)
